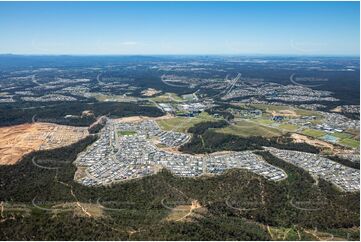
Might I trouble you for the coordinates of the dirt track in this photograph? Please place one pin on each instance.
(18, 140)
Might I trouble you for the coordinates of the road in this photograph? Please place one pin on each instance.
(98, 79)
(33, 79)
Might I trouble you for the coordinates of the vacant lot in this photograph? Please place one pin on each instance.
(286, 110)
(298, 138)
(18, 140)
(110, 98)
(314, 133)
(182, 124)
(150, 92)
(350, 142)
(344, 138)
(167, 97)
(125, 132)
(288, 127)
(245, 128)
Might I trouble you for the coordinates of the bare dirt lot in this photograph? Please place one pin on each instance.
(286, 112)
(130, 119)
(80, 209)
(182, 212)
(150, 92)
(142, 118)
(298, 138)
(18, 140)
(337, 109)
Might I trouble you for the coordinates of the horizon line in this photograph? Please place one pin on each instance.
(198, 54)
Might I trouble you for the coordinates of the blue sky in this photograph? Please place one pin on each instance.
(301, 28)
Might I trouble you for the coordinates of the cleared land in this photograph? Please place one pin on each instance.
(182, 124)
(281, 233)
(18, 140)
(344, 138)
(355, 133)
(150, 92)
(142, 118)
(350, 142)
(167, 97)
(245, 128)
(182, 212)
(337, 109)
(298, 138)
(111, 98)
(314, 133)
(125, 132)
(178, 213)
(285, 113)
(288, 127)
(269, 108)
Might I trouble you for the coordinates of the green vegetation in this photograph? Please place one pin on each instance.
(342, 135)
(207, 140)
(20, 113)
(354, 132)
(135, 207)
(288, 127)
(289, 234)
(221, 111)
(345, 233)
(139, 202)
(264, 121)
(298, 111)
(203, 127)
(167, 97)
(245, 128)
(344, 138)
(345, 162)
(305, 112)
(141, 215)
(314, 133)
(111, 98)
(300, 186)
(125, 132)
(350, 142)
(189, 97)
(182, 124)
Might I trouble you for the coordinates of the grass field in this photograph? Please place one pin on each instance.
(125, 132)
(342, 135)
(350, 142)
(268, 122)
(344, 138)
(245, 128)
(288, 127)
(314, 133)
(111, 98)
(167, 97)
(354, 132)
(280, 233)
(182, 124)
(264, 121)
(298, 111)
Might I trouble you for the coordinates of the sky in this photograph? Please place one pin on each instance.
(189, 28)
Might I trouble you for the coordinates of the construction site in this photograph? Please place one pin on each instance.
(18, 140)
